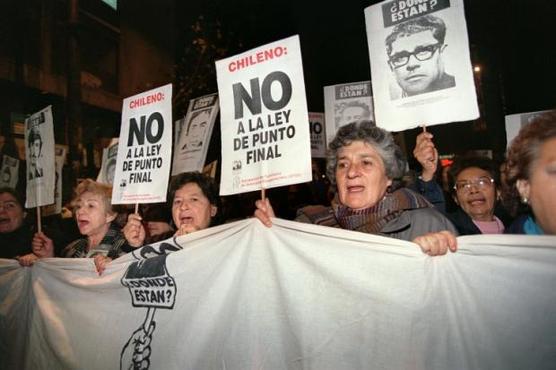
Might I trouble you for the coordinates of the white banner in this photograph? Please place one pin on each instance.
(318, 135)
(143, 164)
(345, 103)
(56, 208)
(264, 120)
(514, 123)
(193, 133)
(108, 166)
(9, 172)
(420, 64)
(294, 296)
(39, 153)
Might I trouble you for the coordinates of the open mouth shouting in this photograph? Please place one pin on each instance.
(186, 220)
(82, 224)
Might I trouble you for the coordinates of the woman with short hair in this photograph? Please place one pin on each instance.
(102, 238)
(193, 199)
(366, 167)
(475, 184)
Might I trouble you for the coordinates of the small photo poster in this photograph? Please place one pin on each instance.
(39, 153)
(346, 103)
(193, 133)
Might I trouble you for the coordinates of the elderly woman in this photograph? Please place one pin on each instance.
(366, 166)
(476, 182)
(102, 238)
(531, 177)
(194, 201)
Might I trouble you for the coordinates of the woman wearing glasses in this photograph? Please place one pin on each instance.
(475, 184)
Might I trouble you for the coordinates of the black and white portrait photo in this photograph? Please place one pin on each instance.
(415, 51)
(195, 133)
(421, 71)
(34, 142)
(351, 111)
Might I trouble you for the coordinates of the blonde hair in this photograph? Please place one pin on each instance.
(97, 188)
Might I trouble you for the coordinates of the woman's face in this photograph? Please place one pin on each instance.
(191, 206)
(476, 193)
(92, 217)
(360, 175)
(540, 189)
(11, 213)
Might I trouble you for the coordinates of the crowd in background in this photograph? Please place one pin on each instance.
(364, 187)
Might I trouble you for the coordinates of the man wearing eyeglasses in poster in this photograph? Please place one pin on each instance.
(415, 49)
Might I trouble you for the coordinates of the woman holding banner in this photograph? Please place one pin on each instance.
(194, 202)
(94, 214)
(531, 177)
(366, 166)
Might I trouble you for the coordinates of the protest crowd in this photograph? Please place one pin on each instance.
(516, 201)
(154, 193)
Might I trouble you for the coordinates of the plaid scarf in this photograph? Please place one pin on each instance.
(371, 220)
(110, 245)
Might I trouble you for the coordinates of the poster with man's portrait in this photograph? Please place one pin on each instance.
(39, 153)
(108, 165)
(192, 134)
(420, 64)
(346, 103)
(9, 171)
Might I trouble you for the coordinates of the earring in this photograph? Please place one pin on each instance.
(524, 200)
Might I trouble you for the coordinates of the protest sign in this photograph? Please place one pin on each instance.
(318, 135)
(143, 160)
(514, 123)
(345, 103)
(192, 134)
(60, 152)
(9, 172)
(108, 166)
(420, 64)
(39, 152)
(264, 119)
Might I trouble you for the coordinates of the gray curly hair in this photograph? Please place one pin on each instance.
(381, 140)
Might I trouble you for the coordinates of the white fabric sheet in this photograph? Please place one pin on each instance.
(294, 296)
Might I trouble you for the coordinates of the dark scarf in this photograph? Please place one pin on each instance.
(110, 245)
(372, 220)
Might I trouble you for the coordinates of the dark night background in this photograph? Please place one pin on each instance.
(511, 41)
(147, 43)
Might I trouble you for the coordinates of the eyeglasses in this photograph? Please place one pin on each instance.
(421, 53)
(480, 183)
